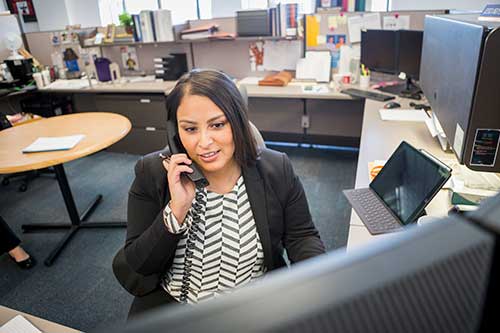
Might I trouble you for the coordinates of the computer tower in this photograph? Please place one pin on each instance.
(460, 76)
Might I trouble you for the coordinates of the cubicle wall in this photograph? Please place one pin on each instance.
(231, 56)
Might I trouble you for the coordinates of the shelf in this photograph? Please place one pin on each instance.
(201, 40)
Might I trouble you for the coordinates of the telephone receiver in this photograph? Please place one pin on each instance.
(174, 146)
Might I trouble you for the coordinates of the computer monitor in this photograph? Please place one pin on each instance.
(379, 50)
(460, 76)
(439, 277)
(410, 50)
(393, 52)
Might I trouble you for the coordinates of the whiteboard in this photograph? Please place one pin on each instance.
(8, 23)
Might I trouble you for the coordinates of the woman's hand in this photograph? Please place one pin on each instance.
(182, 189)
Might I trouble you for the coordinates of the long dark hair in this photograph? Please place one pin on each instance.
(222, 91)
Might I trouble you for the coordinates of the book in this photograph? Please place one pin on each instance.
(137, 27)
(490, 13)
(291, 12)
(43, 144)
(163, 25)
(146, 26)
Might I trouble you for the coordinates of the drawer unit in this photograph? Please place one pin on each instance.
(142, 110)
(141, 142)
(84, 103)
(278, 115)
(341, 118)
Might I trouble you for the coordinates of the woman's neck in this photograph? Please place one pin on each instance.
(223, 181)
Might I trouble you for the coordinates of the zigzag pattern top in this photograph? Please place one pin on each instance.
(224, 249)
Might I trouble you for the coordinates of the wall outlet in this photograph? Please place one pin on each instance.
(305, 121)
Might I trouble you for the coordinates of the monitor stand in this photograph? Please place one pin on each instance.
(409, 89)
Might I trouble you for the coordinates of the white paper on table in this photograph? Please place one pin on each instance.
(403, 115)
(19, 324)
(354, 26)
(371, 21)
(280, 55)
(315, 89)
(69, 84)
(53, 143)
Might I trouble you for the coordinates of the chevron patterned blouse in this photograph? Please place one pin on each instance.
(219, 249)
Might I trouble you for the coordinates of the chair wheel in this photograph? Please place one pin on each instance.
(5, 182)
(23, 188)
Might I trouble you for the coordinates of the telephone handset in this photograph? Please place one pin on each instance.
(174, 146)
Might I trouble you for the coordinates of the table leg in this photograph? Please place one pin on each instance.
(76, 219)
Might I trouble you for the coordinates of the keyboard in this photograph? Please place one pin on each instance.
(367, 94)
(373, 213)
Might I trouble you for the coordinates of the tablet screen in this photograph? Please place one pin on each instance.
(409, 180)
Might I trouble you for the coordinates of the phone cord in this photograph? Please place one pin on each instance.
(197, 206)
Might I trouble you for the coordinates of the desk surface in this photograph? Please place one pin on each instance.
(81, 86)
(292, 90)
(379, 139)
(101, 129)
(7, 314)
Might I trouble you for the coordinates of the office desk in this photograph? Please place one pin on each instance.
(7, 314)
(100, 130)
(290, 114)
(378, 141)
(280, 113)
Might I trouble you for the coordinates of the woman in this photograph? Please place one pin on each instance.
(10, 243)
(205, 242)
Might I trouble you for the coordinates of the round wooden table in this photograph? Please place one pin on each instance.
(101, 130)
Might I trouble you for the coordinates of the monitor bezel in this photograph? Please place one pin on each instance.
(445, 175)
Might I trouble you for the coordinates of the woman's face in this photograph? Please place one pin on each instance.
(206, 134)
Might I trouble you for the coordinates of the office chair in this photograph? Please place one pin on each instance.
(27, 176)
(256, 134)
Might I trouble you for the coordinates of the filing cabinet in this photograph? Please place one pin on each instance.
(146, 112)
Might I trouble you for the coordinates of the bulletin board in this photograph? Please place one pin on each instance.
(329, 30)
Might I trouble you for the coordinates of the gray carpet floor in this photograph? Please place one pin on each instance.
(79, 290)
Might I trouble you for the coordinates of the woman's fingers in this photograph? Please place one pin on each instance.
(179, 170)
(174, 160)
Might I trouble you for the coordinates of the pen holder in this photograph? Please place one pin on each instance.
(364, 81)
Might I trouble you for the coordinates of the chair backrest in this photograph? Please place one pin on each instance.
(256, 134)
(4, 122)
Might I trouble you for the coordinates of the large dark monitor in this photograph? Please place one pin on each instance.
(410, 50)
(439, 277)
(379, 50)
(393, 52)
(460, 76)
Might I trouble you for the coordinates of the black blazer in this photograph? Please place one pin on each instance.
(278, 202)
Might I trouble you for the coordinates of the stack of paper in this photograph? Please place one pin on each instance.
(316, 65)
(53, 143)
